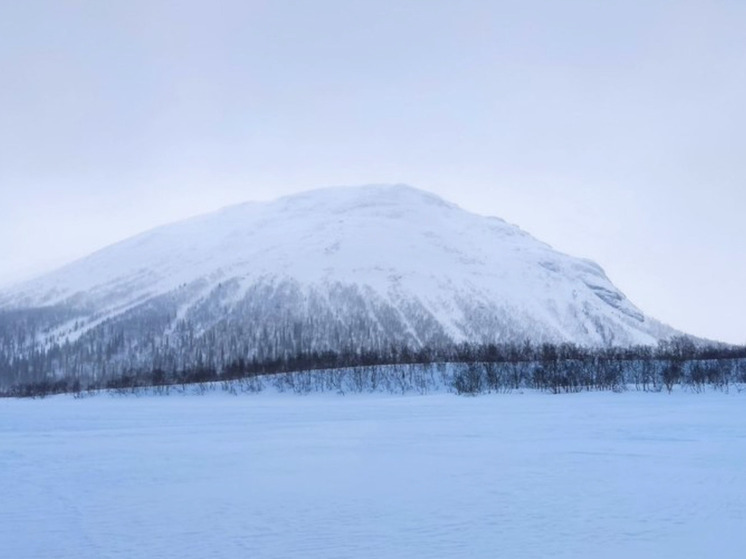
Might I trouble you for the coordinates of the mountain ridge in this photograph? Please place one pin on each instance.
(342, 267)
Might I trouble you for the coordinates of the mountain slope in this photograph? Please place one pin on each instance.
(362, 267)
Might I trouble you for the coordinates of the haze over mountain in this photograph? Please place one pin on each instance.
(340, 268)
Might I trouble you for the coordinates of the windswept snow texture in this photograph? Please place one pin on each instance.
(528, 476)
(352, 266)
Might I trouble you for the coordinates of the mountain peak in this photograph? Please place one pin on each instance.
(351, 198)
(337, 267)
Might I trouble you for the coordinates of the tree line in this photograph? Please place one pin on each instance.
(464, 368)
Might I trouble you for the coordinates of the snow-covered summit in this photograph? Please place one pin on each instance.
(380, 262)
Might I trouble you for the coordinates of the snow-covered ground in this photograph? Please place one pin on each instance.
(595, 475)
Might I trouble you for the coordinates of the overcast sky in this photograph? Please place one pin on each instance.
(611, 130)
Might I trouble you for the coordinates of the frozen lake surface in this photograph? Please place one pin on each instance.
(595, 475)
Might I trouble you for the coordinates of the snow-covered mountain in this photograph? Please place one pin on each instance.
(335, 268)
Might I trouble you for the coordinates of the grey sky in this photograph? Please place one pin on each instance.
(611, 130)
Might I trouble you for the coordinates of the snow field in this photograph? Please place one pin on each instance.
(323, 476)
